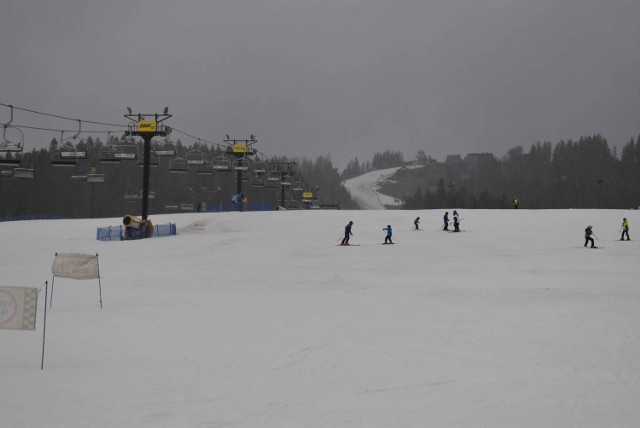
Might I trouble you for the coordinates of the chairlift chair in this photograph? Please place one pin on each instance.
(23, 173)
(7, 145)
(58, 160)
(95, 178)
(108, 156)
(259, 168)
(297, 186)
(221, 164)
(257, 181)
(178, 166)
(153, 161)
(205, 169)
(166, 149)
(241, 164)
(195, 158)
(128, 151)
(12, 162)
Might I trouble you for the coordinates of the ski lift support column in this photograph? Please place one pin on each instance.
(284, 169)
(240, 149)
(147, 126)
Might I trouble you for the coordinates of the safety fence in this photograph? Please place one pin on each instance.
(119, 233)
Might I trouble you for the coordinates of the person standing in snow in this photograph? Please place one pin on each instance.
(446, 220)
(456, 221)
(625, 229)
(587, 236)
(515, 202)
(416, 222)
(387, 239)
(347, 234)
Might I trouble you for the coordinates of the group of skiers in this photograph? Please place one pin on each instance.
(588, 232)
(416, 224)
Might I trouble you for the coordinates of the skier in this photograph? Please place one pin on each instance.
(625, 229)
(446, 220)
(387, 239)
(416, 222)
(347, 234)
(515, 202)
(587, 236)
(456, 221)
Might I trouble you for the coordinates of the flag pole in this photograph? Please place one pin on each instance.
(44, 328)
(99, 283)
(53, 279)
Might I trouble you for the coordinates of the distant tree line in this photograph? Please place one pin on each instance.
(381, 160)
(52, 192)
(572, 174)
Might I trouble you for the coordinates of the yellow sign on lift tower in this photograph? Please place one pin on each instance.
(239, 148)
(147, 126)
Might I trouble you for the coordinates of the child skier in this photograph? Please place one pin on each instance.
(347, 234)
(625, 229)
(387, 239)
(416, 222)
(456, 221)
(446, 220)
(587, 236)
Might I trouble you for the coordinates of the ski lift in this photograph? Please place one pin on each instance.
(69, 152)
(23, 173)
(297, 186)
(259, 168)
(271, 183)
(292, 204)
(95, 178)
(11, 161)
(205, 169)
(153, 161)
(221, 164)
(240, 164)
(7, 145)
(171, 207)
(189, 206)
(127, 151)
(107, 155)
(178, 166)
(58, 160)
(257, 181)
(166, 149)
(285, 180)
(195, 158)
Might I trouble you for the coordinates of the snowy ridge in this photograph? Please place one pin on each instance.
(260, 320)
(364, 189)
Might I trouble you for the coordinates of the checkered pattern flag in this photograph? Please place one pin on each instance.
(18, 308)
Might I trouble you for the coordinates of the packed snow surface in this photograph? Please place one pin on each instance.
(364, 189)
(261, 320)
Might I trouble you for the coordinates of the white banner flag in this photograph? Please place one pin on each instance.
(18, 308)
(75, 266)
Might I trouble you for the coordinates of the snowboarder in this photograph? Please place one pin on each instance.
(587, 236)
(387, 239)
(625, 229)
(416, 222)
(347, 234)
(446, 220)
(515, 202)
(456, 221)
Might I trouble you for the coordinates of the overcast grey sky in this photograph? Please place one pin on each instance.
(343, 78)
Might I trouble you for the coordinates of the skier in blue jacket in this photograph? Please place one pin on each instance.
(387, 239)
(347, 234)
